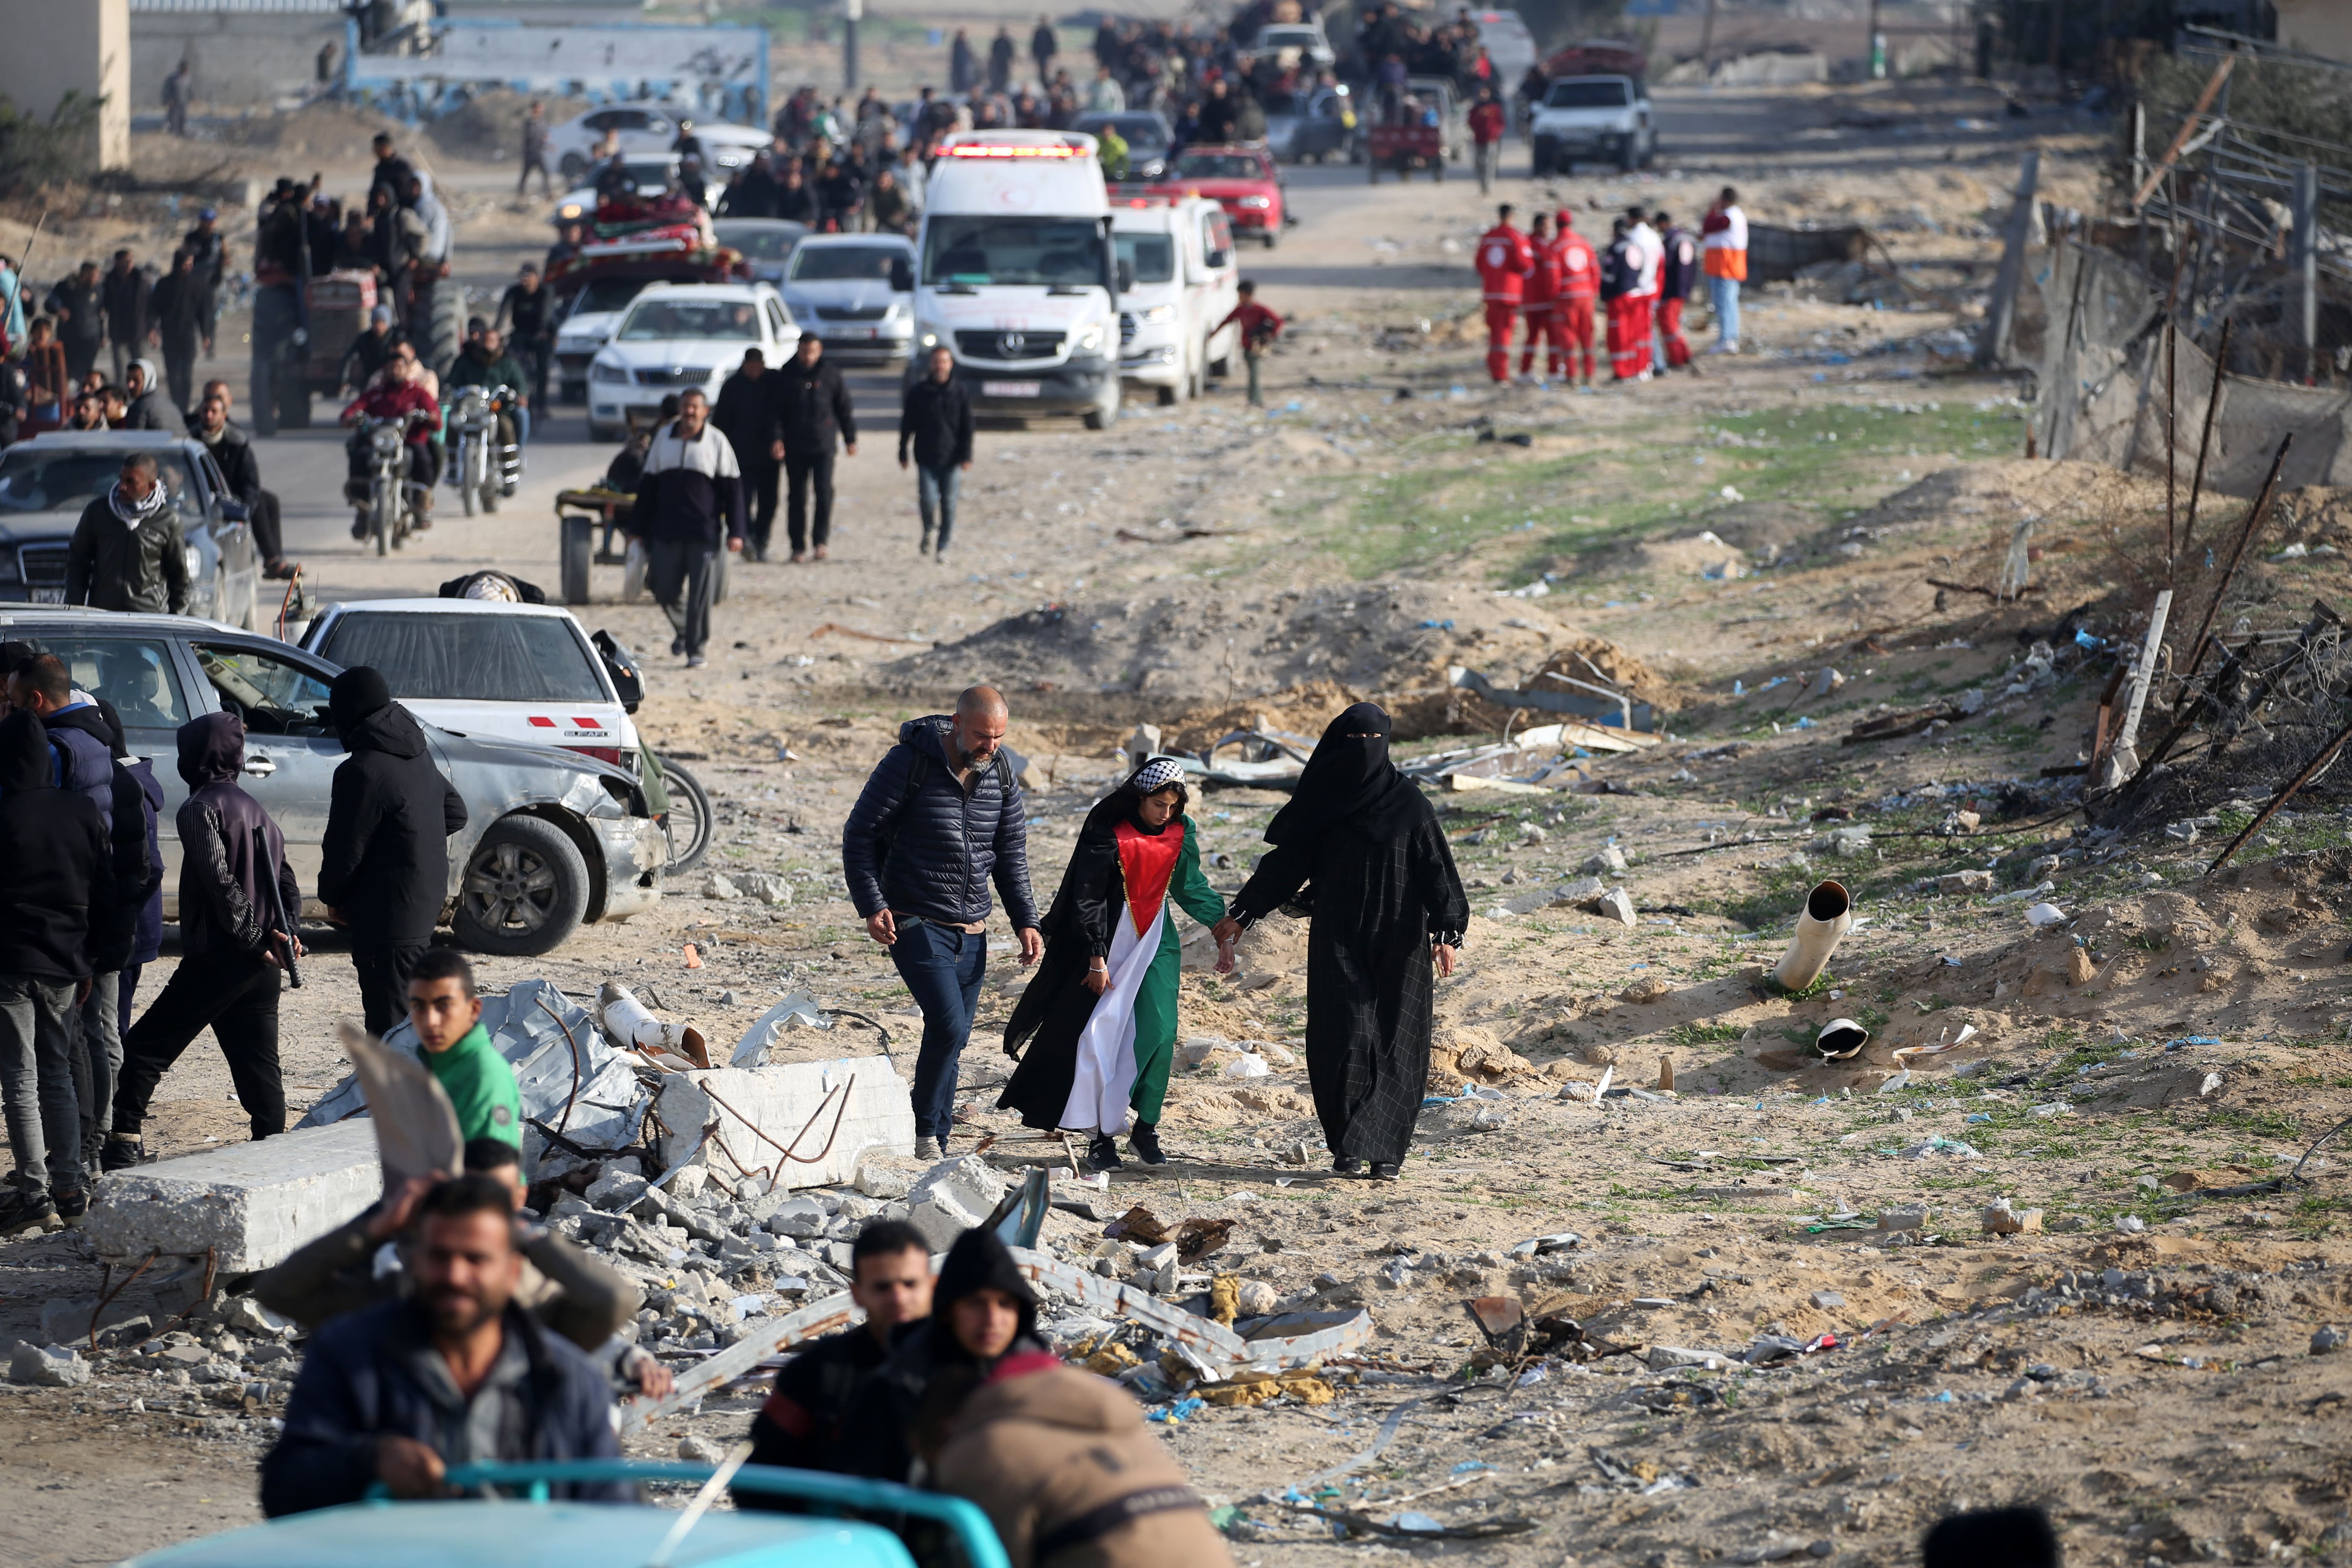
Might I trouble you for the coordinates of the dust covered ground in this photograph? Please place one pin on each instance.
(2142, 1362)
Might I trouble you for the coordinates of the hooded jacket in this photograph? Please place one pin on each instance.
(147, 921)
(152, 409)
(60, 867)
(384, 860)
(225, 904)
(92, 761)
(112, 565)
(932, 849)
(1061, 1462)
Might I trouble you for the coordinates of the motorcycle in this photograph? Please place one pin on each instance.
(484, 466)
(393, 501)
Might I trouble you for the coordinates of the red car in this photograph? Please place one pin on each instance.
(1241, 179)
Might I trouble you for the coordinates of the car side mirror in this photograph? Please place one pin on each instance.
(628, 682)
(235, 512)
(1221, 258)
(902, 277)
(1125, 274)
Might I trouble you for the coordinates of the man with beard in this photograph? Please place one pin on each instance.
(457, 1375)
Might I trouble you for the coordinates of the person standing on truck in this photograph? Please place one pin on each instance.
(1540, 306)
(1677, 271)
(1487, 123)
(1724, 231)
(812, 412)
(1505, 258)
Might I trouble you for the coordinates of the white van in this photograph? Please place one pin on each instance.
(1179, 253)
(1016, 274)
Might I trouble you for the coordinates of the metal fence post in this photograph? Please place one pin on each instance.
(2002, 313)
(2306, 268)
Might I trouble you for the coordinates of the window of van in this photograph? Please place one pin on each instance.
(1153, 256)
(1588, 95)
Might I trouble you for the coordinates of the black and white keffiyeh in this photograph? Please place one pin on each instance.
(1155, 775)
(132, 514)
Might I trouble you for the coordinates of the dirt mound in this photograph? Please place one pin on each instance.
(490, 125)
(1303, 710)
(1599, 661)
(319, 131)
(2008, 489)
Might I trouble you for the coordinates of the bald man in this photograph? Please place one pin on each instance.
(938, 818)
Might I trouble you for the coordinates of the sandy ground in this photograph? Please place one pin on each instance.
(2139, 1364)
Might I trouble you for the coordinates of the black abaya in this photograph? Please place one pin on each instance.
(1375, 904)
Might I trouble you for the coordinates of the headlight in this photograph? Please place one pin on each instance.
(569, 212)
(599, 371)
(1157, 315)
(1254, 202)
(929, 336)
(1091, 339)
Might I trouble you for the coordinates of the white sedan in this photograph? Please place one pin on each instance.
(678, 337)
(648, 129)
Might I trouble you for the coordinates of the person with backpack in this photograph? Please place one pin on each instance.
(938, 820)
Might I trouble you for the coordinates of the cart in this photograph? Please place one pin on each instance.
(579, 514)
(1410, 129)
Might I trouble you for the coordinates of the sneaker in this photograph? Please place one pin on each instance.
(121, 1154)
(1103, 1153)
(23, 1210)
(71, 1205)
(695, 661)
(1347, 1164)
(1382, 1171)
(927, 1148)
(1143, 1142)
(925, 547)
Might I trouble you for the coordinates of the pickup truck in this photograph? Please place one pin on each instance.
(1593, 119)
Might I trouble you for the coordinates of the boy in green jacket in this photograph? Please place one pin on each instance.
(446, 1013)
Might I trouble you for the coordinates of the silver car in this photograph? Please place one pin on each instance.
(551, 837)
(47, 481)
(855, 291)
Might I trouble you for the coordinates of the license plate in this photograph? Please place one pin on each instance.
(862, 334)
(48, 597)
(1011, 389)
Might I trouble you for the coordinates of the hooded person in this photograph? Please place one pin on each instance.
(383, 863)
(150, 402)
(984, 1318)
(233, 946)
(1100, 1021)
(1358, 850)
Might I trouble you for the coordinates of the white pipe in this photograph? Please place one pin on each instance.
(627, 1019)
(1828, 914)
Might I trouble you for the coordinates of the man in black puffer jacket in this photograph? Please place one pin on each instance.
(937, 819)
(383, 869)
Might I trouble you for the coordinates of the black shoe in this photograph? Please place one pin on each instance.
(121, 1154)
(1347, 1164)
(1143, 1142)
(23, 1211)
(359, 528)
(677, 647)
(71, 1205)
(1384, 1172)
(1103, 1154)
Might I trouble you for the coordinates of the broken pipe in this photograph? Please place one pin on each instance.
(1827, 917)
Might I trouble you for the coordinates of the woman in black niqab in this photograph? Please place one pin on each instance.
(1359, 849)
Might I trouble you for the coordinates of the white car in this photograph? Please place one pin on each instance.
(1592, 119)
(646, 128)
(1179, 281)
(1312, 48)
(678, 337)
(596, 310)
(513, 672)
(855, 291)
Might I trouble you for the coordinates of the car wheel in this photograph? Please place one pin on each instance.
(688, 826)
(525, 889)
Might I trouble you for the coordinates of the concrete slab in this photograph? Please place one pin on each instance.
(252, 1204)
(827, 1114)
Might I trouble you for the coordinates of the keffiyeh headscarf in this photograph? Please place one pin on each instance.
(134, 512)
(1156, 775)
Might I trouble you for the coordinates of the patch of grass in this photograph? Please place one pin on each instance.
(1703, 1034)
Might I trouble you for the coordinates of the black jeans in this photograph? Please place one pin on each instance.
(267, 542)
(383, 969)
(236, 997)
(803, 473)
(759, 477)
(180, 368)
(683, 575)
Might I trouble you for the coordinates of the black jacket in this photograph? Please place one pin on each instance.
(799, 1428)
(123, 295)
(810, 407)
(935, 419)
(60, 865)
(177, 307)
(234, 452)
(384, 862)
(111, 566)
(746, 415)
(225, 904)
(88, 743)
(933, 853)
(80, 309)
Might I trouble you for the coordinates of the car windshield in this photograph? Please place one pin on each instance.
(33, 479)
(606, 295)
(1143, 131)
(842, 263)
(1219, 166)
(660, 320)
(1588, 95)
(976, 251)
(1153, 256)
(761, 241)
(462, 657)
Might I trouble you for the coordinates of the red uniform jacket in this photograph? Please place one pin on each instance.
(1579, 272)
(1505, 259)
(1543, 279)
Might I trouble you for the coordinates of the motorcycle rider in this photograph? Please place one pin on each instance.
(399, 393)
(486, 363)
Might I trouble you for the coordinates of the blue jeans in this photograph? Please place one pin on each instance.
(942, 968)
(36, 1082)
(1724, 293)
(935, 493)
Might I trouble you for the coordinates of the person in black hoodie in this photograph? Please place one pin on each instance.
(384, 871)
(746, 415)
(983, 1312)
(935, 421)
(231, 944)
(811, 413)
(61, 901)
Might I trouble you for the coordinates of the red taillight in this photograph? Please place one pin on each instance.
(601, 754)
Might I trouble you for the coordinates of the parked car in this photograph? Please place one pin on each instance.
(647, 176)
(766, 243)
(1147, 133)
(1296, 44)
(1180, 282)
(45, 482)
(646, 128)
(856, 292)
(1309, 126)
(1241, 179)
(680, 335)
(1593, 119)
(551, 838)
(528, 673)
